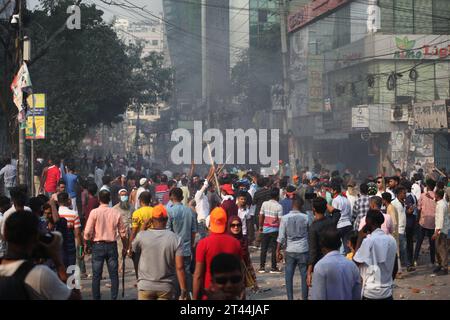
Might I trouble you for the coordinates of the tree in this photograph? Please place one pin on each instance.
(89, 76)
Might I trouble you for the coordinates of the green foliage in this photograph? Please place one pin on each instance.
(89, 76)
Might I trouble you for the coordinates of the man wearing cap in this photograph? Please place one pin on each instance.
(228, 202)
(141, 219)
(143, 185)
(125, 210)
(161, 261)
(217, 242)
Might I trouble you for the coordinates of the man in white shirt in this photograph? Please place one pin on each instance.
(416, 188)
(400, 207)
(376, 258)
(143, 186)
(38, 282)
(202, 208)
(440, 233)
(344, 225)
(243, 211)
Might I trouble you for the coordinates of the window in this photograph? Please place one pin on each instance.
(262, 15)
(441, 14)
(154, 42)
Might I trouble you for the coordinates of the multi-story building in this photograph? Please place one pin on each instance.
(369, 82)
(152, 37)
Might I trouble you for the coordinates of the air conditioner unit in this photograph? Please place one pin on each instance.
(400, 113)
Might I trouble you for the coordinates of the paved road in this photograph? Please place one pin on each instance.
(417, 285)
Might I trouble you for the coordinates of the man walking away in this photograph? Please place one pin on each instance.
(217, 242)
(161, 260)
(71, 181)
(361, 205)
(344, 225)
(269, 224)
(427, 213)
(440, 234)
(376, 258)
(183, 222)
(293, 235)
(74, 226)
(50, 177)
(102, 227)
(320, 223)
(9, 173)
(335, 277)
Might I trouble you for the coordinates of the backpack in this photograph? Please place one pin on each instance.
(13, 287)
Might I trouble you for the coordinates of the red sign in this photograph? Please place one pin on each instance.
(312, 11)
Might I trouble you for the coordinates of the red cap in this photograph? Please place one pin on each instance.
(227, 188)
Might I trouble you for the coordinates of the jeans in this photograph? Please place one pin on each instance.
(102, 251)
(423, 232)
(250, 230)
(188, 275)
(409, 233)
(269, 240)
(402, 250)
(293, 260)
(202, 229)
(344, 233)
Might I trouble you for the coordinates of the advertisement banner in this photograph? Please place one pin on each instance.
(360, 117)
(315, 83)
(431, 115)
(39, 116)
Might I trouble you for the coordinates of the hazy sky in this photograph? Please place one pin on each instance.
(154, 6)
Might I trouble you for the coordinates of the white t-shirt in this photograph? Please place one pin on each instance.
(41, 282)
(138, 193)
(8, 212)
(343, 204)
(377, 255)
(244, 214)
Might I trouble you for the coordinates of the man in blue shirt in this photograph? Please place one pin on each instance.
(183, 222)
(286, 203)
(293, 235)
(71, 181)
(335, 277)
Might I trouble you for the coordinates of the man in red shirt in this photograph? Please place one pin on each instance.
(217, 242)
(50, 177)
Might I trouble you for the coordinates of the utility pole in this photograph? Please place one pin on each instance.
(284, 60)
(137, 129)
(21, 164)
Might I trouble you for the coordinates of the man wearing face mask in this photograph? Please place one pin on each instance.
(126, 212)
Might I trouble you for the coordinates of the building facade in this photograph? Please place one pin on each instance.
(358, 72)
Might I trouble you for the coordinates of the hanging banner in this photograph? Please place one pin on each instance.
(39, 117)
(315, 83)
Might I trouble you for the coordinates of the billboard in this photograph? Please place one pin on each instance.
(39, 117)
(315, 83)
(431, 115)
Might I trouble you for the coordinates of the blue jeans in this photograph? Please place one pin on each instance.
(102, 251)
(402, 249)
(293, 260)
(202, 229)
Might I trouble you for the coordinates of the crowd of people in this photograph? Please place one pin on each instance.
(191, 236)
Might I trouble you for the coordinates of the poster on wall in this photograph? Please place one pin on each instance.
(315, 83)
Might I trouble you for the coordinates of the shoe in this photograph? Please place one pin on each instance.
(415, 263)
(442, 272)
(275, 271)
(262, 270)
(437, 269)
(108, 285)
(410, 268)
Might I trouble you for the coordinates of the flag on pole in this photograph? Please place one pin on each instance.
(21, 84)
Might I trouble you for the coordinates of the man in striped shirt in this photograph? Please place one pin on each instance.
(74, 228)
(269, 224)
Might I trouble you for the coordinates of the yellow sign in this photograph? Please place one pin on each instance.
(39, 116)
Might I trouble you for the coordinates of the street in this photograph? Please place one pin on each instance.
(416, 285)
